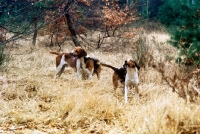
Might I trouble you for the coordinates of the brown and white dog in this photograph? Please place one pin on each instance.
(68, 59)
(78, 60)
(127, 75)
(118, 75)
(92, 67)
(131, 78)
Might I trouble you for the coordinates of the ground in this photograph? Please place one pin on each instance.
(34, 102)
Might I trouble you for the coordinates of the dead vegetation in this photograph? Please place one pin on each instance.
(2, 34)
(32, 101)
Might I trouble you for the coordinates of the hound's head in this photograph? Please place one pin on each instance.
(131, 64)
(78, 52)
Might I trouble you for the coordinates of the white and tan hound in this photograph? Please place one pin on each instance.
(131, 78)
(118, 75)
(78, 60)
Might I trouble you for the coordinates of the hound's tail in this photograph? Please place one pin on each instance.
(109, 66)
(56, 53)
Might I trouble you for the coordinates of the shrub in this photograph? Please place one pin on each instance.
(3, 56)
(182, 18)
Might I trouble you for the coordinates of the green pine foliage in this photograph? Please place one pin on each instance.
(182, 17)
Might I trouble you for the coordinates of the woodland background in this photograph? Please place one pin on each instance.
(163, 36)
(114, 18)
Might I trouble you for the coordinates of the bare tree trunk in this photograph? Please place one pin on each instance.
(51, 43)
(147, 10)
(35, 32)
(72, 30)
(70, 23)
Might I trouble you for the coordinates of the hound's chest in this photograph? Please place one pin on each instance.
(132, 79)
(82, 64)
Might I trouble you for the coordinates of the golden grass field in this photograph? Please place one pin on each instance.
(34, 102)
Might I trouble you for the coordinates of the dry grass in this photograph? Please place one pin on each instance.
(32, 101)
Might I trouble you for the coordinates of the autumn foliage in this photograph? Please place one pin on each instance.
(110, 18)
(115, 18)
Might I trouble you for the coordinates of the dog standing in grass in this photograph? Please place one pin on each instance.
(118, 75)
(72, 59)
(131, 78)
(127, 75)
(80, 61)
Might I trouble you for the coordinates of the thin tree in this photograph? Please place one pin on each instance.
(67, 8)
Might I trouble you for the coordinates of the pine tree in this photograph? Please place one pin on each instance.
(183, 18)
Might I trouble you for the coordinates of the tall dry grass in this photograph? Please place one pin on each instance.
(32, 101)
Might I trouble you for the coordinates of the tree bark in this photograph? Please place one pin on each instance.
(35, 32)
(72, 30)
(70, 23)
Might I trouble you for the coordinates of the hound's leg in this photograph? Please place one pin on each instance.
(60, 68)
(97, 73)
(137, 92)
(59, 71)
(78, 68)
(98, 76)
(90, 73)
(126, 94)
(115, 81)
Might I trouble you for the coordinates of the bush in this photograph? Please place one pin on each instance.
(3, 56)
(142, 52)
(182, 19)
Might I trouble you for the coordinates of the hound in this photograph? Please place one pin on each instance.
(78, 60)
(118, 75)
(131, 78)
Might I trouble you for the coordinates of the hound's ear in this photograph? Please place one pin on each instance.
(125, 64)
(83, 53)
(138, 67)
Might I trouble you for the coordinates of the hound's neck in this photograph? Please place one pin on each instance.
(132, 73)
(82, 62)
